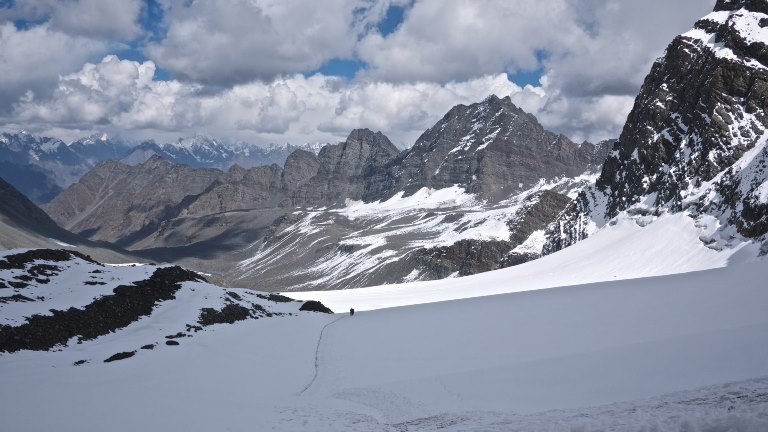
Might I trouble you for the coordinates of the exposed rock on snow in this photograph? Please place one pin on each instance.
(315, 306)
(56, 306)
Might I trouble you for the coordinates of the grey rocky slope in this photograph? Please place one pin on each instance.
(695, 139)
(432, 234)
(24, 225)
(276, 228)
(118, 203)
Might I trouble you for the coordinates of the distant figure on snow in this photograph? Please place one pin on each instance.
(351, 312)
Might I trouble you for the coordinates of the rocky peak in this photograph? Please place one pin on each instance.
(750, 5)
(236, 172)
(493, 148)
(701, 113)
(156, 162)
(739, 34)
(346, 170)
(300, 166)
(362, 148)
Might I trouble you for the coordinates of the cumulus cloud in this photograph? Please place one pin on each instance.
(445, 40)
(121, 95)
(60, 35)
(110, 19)
(259, 39)
(31, 60)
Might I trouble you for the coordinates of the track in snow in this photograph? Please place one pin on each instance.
(317, 352)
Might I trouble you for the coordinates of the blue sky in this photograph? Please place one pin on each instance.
(268, 72)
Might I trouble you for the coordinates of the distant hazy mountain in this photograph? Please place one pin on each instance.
(41, 167)
(205, 152)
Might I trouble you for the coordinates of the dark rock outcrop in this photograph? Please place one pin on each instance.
(467, 257)
(315, 306)
(20, 261)
(125, 305)
(120, 356)
(229, 314)
(734, 5)
(462, 258)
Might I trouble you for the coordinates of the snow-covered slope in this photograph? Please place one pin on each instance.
(52, 298)
(431, 234)
(632, 247)
(651, 354)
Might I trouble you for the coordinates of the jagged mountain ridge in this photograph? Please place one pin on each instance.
(695, 140)
(243, 219)
(492, 148)
(115, 202)
(205, 152)
(40, 167)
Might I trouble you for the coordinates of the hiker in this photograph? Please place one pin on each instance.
(351, 311)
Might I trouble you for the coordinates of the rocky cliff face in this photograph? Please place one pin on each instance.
(259, 187)
(299, 167)
(695, 139)
(492, 148)
(347, 169)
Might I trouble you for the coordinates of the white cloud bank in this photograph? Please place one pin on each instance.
(121, 95)
(239, 70)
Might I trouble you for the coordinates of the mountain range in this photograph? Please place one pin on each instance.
(464, 198)
(41, 167)
(633, 296)
(486, 187)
